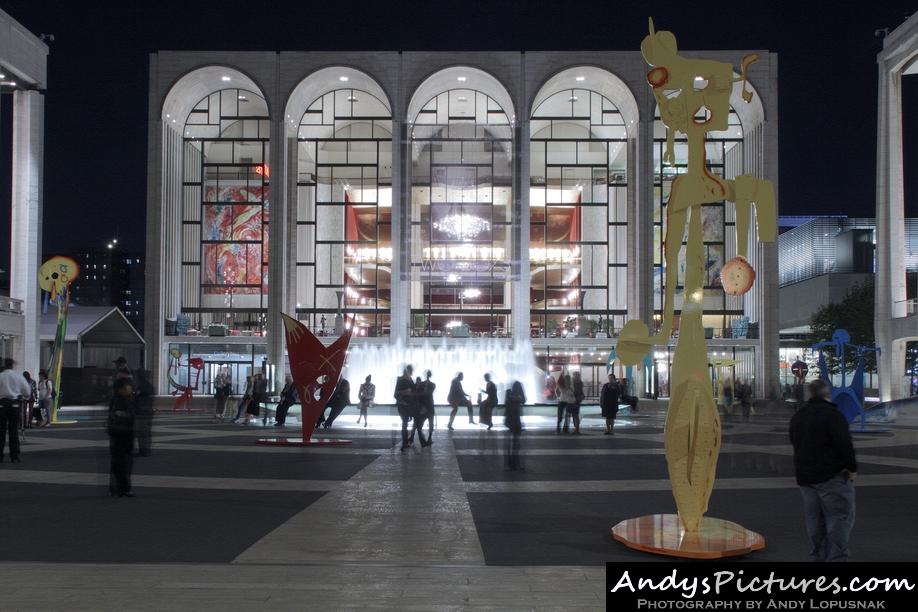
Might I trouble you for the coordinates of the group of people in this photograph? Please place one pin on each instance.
(570, 395)
(740, 393)
(23, 400)
(254, 395)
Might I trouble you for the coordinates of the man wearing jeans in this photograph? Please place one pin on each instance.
(826, 467)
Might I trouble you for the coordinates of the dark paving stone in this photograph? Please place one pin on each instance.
(489, 468)
(70, 524)
(764, 439)
(574, 528)
(297, 464)
(591, 440)
(904, 451)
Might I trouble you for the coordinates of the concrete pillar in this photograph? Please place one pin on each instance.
(401, 228)
(519, 303)
(25, 242)
(279, 260)
(640, 223)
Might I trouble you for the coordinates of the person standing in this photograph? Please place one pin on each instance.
(288, 398)
(44, 398)
(339, 400)
(458, 397)
(221, 389)
(728, 397)
(608, 402)
(29, 405)
(365, 396)
(745, 398)
(404, 399)
(259, 389)
(513, 419)
(246, 398)
(486, 406)
(825, 467)
(565, 398)
(120, 425)
(574, 408)
(13, 389)
(425, 411)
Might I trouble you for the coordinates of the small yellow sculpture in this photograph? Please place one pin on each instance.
(694, 98)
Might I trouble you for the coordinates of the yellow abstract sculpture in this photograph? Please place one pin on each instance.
(694, 98)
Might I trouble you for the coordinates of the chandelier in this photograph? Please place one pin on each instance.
(462, 226)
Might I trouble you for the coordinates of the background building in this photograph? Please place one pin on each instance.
(452, 199)
(111, 277)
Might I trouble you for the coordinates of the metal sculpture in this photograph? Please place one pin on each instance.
(694, 97)
(184, 392)
(848, 398)
(315, 369)
(55, 276)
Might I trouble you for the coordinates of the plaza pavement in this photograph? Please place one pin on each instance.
(220, 523)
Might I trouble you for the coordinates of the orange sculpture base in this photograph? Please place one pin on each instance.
(302, 441)
(663, 534)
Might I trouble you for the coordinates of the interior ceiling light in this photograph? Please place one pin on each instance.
(225, 78)
(572, 99)
(580, 78)
(462, 99)
(462, 227)
(461, 79)
(343, 79)
(243, 99)
(471, 293)
(352, 98)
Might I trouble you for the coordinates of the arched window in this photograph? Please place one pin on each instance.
(344, 210)
(461, 212)
(578, 239)
(225, 202)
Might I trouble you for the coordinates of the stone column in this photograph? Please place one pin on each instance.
(25, 241)
(279, 257)
(401, 228)
(519, 304)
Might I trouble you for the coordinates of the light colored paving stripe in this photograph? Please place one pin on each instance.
(175, 482)
(401, 506)
(330, 586)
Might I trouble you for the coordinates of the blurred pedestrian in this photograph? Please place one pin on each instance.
(288, 397)
(745, 398)
(259, 390)
(246, 398)
(486, 406)
(45, 391)
(825, 466)
(29, 406)
(13, 390)
(573, 409)
(404, 401)
(144, 394)
(121, 415)
(513, 419)
(565, 398)
(365, 396)
(340, 399)
(458, 397)
(425, 410)
(608, 402)
(222, 388)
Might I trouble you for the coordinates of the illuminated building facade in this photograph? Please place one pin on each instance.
(433, 197)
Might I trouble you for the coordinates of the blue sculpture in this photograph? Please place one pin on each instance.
(848, 398)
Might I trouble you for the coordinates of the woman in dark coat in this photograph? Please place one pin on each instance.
(513, 419)
(608, 402)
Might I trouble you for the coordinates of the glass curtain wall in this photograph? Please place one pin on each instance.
(724, 158)
(578, 216)
(461, 195)
(226, 188)
(344, 212)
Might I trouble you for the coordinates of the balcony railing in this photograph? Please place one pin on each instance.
(8, 304)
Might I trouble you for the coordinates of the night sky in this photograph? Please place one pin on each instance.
(96, 103)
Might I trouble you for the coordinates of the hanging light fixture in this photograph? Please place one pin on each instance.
(462, 226)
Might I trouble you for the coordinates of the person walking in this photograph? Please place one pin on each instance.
(339, 400)
(486, 406)
(458, 397)
(246, 398)
(574, 408)
(144, 393)
(425, 411)
(45, 391)
(29, 405)
(222, 388)
(13, 389)
(513, 419)
(365, 396)
(608, 402)
(120, 425)
(728, 397)
(825, 467)
(288, 398)
(404, 400)
(259, 389)
(565, 398)
(745, 398)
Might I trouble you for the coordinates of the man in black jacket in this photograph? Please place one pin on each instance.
(826, 467)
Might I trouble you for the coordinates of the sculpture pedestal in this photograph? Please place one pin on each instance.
(663, 534)
(302, 441)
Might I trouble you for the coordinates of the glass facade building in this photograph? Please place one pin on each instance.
(459, 199)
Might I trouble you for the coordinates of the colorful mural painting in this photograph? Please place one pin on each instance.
(234, 234)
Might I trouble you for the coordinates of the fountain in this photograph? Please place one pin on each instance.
(473, 357)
